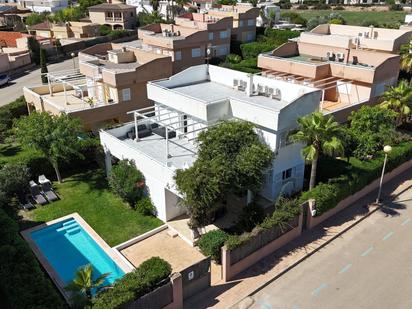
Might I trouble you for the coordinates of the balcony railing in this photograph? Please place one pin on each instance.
(114, 18)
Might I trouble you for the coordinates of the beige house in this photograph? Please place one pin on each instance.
(218, 29)
(110, 82)
(244, 19)
(12, 58)
(72, 29)
(347, 73)
(186, 46)
(116, 16)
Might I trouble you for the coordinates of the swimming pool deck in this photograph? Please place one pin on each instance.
(113, 254)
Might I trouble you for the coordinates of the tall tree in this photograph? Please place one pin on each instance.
(55, 136)
(321, 135)
(43, 66)
(84, 284)
(399, 99)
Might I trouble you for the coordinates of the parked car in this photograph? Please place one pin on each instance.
(4, 79)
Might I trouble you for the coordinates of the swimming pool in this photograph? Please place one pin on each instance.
(66, 246)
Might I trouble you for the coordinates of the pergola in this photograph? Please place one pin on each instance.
(68, 78)
(171, 120)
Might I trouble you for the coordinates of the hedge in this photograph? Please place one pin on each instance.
(13, 110)
(359, 174)
(211, 242)
(22, 282)
(144, 279)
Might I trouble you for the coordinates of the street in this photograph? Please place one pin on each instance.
(369, 266)
(14, 89)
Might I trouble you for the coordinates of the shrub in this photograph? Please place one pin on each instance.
(145, 206)
(302, 7)
(8, 113)
(210, 244)
(104, 29)
(144, 279)
(339, 8)
(253, 49)
(14, 178)
(321, 6)
(126, 181)
(294, 18)
(233, 58)
(117, 34)
(22, 283)
(251, 215)
(395, 7)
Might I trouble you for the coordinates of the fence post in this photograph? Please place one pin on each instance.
(177, 284)
(225, 264)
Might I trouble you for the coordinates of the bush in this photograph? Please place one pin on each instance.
(321, 6)
(294, 18)
(253, 49)
(126, 181)
(339, 8)
(395, 7)
(251, 215)
(302, 7)
(8, 113)
(210, 244)
(144, 279)
(104, 29)
(145, 206)
(233, 58)
(22, 283)
(117, 34)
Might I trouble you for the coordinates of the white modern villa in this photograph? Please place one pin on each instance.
(162, 138)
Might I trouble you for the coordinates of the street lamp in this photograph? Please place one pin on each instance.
(74, 63)
(387, 149)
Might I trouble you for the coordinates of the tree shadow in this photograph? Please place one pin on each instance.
(9, 150)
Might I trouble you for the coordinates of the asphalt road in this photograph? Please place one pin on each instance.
(370, 266)
(14, 89)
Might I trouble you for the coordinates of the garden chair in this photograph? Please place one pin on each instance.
(43, 179)
(49, 192)
(36, 194)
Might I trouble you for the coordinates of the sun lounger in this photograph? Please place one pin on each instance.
(36, 194)
(43, 179)
(49, 192)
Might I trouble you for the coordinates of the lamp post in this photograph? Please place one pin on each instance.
(387, 149)
(74, 63)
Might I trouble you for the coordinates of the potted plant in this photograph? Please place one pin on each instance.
(90, 101)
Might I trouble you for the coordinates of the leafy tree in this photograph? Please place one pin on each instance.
(83, 284)
(34, 48)
(43, 66)
(104, 29)
(321, 134)
(14, 178)
(127, 181)
(152, 18)
(406, 58)
(295, 18)
(399, 99)
(371, 128)
(231, 158)
(69, 14)
(36, 18)
(56, 137)
(84, 4)
(155, 4)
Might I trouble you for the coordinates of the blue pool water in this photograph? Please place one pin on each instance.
(67, 246)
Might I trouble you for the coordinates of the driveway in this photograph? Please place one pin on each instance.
(31, 77)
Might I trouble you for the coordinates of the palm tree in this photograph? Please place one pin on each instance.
(406, 59)
(321, 135)
(399, 99)
(84, 283)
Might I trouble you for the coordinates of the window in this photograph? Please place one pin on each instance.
(196, 52)
(224, 34)
(131, 14)
(210, 36)
(178, 55)
(251, 22)
(240, 23)
(286, 174)
(126, 94)
(250, 36)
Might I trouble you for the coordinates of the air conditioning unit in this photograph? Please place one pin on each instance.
(266, 91)
(277, 95)
(270, 91)
(341, 57)
(235, 83)
(259, 89)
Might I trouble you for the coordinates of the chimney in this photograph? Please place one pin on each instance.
(249, 85)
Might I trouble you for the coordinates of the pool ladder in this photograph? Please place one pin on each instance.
(70, 227)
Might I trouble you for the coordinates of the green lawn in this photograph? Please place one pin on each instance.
(87, 194)
(358, 18)
(13, 153)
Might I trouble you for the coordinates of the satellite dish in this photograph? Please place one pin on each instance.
(208, 51)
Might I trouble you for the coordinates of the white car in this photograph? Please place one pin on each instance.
(4, 79)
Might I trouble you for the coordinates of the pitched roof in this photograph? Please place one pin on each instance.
(110, 6)
(42, 26)
(10, 38)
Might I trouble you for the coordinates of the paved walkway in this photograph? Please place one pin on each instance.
(225, 295)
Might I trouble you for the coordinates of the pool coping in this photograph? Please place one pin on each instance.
(48, 267)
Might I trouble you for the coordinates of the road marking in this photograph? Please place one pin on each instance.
(316, 291)
(406, 221)
(387, 236)
(365, 253)
(345, 269)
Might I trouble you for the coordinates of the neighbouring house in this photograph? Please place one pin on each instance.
(218, 29)
(202, 5)
(114, 15)
(244, 19)
(14, 53)
(44, 5)
(110, 82)
(43, 29)
(13, 17)
(187, 46)
(163, 138)
(344, 67)
(71, 29)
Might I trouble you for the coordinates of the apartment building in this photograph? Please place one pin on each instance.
(109, 83)
(39, 6)
(162, 138)
(114, 15)
(244, 19)
(218, 30)
(349, 65)
(14, 52)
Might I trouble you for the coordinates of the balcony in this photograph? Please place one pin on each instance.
(114, 19)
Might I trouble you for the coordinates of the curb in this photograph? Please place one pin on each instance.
(247, 298)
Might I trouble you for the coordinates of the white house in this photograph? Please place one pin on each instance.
(44, 5)
(197, 98)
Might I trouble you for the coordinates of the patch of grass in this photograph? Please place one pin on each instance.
(13, 153)
(108, 215)
(358, 18)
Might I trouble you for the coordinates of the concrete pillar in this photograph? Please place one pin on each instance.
(107, 161)
(177, 284)
(225, 255)
(249, 197)
(249, 86)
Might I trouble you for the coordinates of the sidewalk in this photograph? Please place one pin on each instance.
(235, 292)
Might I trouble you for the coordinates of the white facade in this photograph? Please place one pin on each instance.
(44, 5)
(201, 96)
